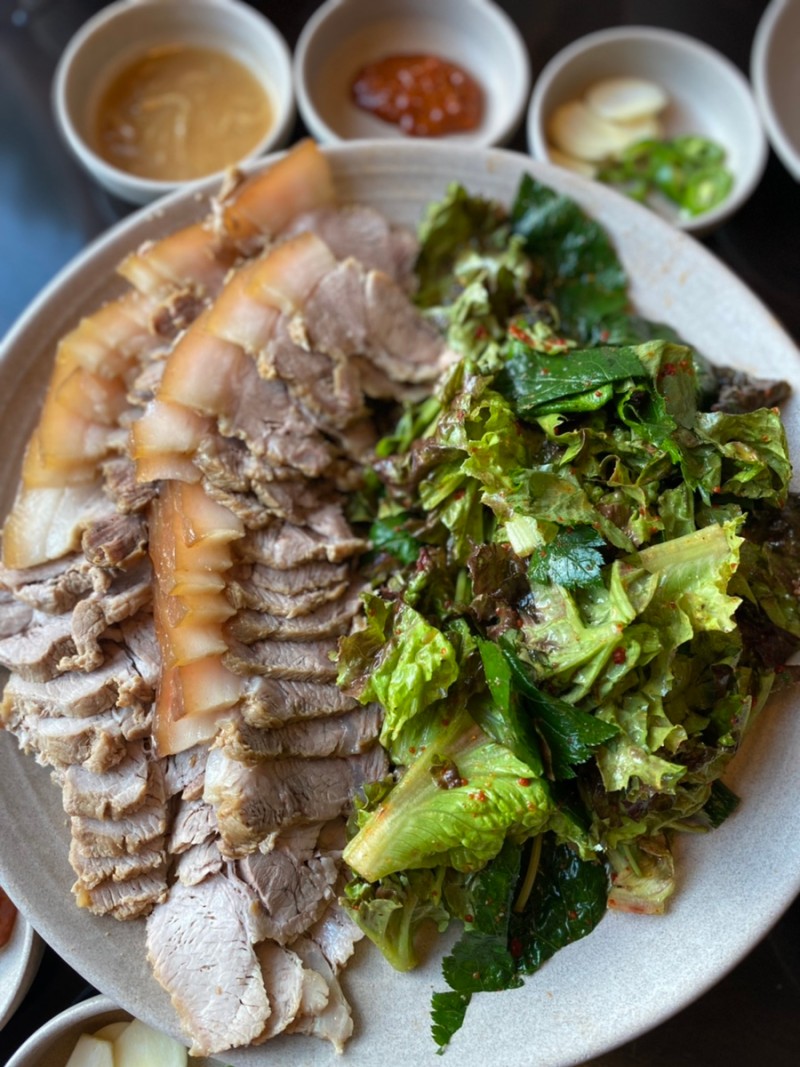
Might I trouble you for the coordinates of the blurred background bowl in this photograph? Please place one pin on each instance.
(708, 96)
(775, 74)
(343, 35)
(120, 33)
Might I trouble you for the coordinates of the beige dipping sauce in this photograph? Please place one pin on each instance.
(180, 112)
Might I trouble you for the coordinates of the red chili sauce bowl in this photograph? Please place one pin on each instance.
(346, 38)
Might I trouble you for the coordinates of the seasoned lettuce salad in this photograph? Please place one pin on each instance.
(585, 576)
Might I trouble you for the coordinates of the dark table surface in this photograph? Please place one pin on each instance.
(49, 211)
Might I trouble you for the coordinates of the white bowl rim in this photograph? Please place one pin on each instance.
(146, 189)
(81, 1012)
(514, 106)
(785, 150)
(748, 179)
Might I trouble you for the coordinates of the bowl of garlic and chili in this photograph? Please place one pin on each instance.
(706, 100)
(152, 94)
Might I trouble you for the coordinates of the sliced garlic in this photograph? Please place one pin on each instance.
(580, 132)
(644, 129)
(561, 159)
(625, 99)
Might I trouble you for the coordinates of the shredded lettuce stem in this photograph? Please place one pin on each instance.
(530, 875)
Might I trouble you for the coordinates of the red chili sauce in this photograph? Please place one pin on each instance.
(426, 96)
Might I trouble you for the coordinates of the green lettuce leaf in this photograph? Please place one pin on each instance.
(566, 902)
(579, 270)
(459, 818)
(402, 661)
(392, 911)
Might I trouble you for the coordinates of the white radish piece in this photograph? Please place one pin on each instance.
(579, 166)
(139, 1046)
(625, 99)
(580, 132)
(91, 1052)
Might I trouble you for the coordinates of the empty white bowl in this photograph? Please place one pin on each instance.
(343, 35)
(708, 96)
(775, 73)
(125, 30)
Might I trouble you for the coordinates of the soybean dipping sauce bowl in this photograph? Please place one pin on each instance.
(343, 35)
(126, 30)
(707, 95)
(775, 74)
(52, 1044)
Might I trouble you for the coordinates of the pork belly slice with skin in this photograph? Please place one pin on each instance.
(111, 794)
(273, 702)
(253, 801)
(131, 899)
(341, 735)
(214, 377)
(200, 946)
(333, 619)
(299, 661)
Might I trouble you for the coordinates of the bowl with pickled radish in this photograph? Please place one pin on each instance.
(151, 95)
(658, 115)
(96, 1033)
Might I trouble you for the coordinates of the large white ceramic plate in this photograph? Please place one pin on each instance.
(632, 972)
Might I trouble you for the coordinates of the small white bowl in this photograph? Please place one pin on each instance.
(708, 96)
(52, 1044)
(124, 30)
(775, 74)
(343, 35)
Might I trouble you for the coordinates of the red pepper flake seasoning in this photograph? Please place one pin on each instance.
(523, 781)
(519, 334)
(425, 95)
(619, 655)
